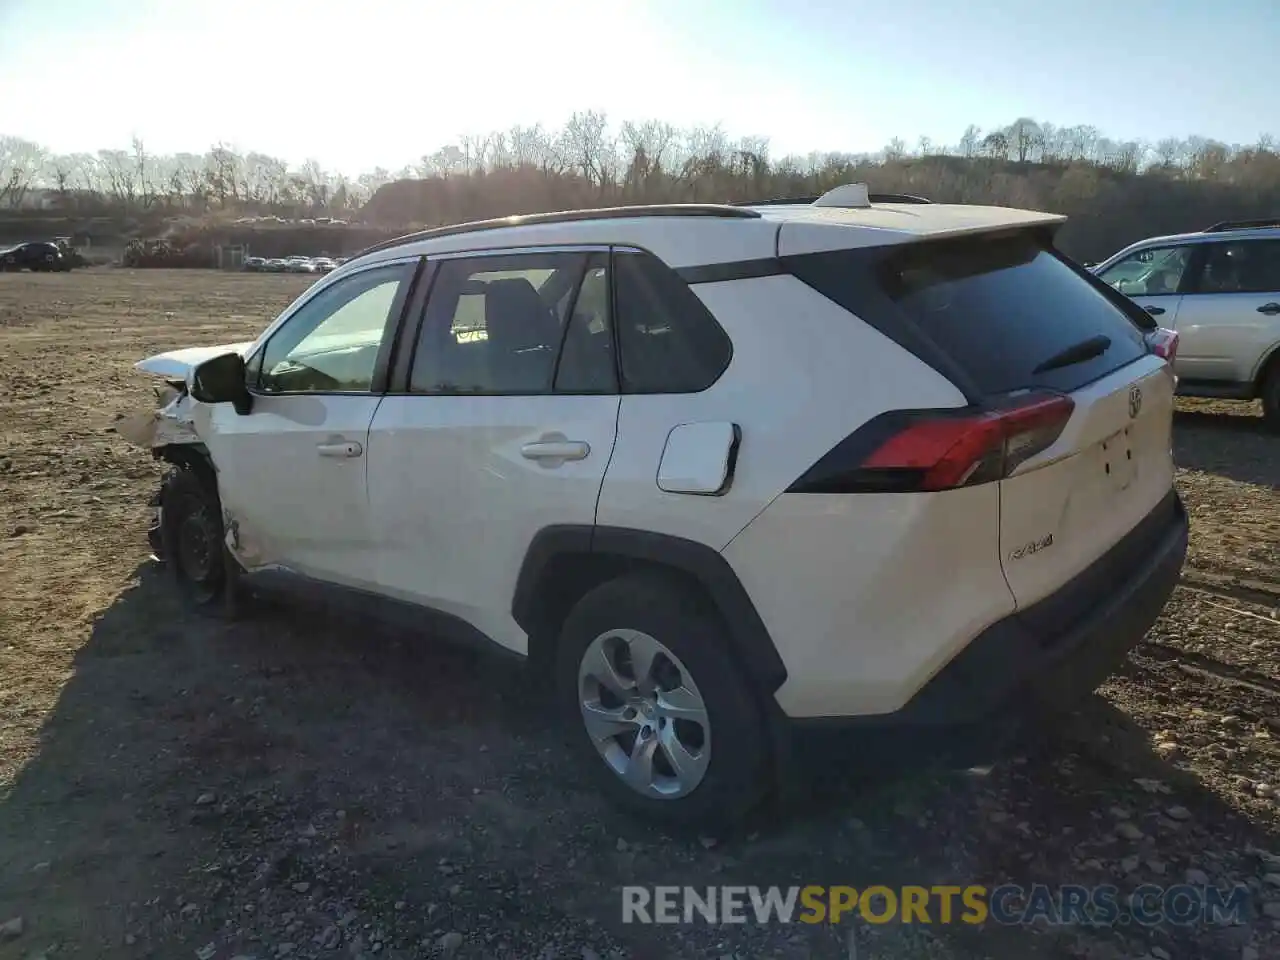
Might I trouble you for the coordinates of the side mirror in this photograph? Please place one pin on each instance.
(221, 380)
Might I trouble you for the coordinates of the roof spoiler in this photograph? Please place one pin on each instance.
(849, 195)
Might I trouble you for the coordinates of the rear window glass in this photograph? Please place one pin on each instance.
(1000, 308)
(991, 310)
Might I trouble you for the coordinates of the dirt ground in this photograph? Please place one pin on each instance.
(293, 786)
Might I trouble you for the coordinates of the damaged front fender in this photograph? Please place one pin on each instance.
(171, 423)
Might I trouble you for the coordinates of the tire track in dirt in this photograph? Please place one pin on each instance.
(1251, 589)
(1207, 666)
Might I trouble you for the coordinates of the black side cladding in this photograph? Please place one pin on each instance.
(705, 566)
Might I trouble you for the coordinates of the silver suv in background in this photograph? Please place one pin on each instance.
(1220, 290)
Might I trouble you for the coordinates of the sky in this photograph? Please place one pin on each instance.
(362, 83)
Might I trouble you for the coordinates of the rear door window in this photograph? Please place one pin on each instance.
(1248, 266)
(1000, 310)
(494, 324)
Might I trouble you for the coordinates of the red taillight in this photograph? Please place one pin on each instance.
(941, 452)
(1163, 343)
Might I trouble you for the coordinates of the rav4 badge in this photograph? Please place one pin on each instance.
(1035, 546)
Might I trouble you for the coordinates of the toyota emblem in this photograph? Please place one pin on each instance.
(1135, 401)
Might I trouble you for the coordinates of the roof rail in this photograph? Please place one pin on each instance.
(805, 201)
(1225, 225)
(568, 216)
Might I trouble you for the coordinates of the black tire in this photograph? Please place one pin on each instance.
(192, 534)
(1271, 397)
(680, 619)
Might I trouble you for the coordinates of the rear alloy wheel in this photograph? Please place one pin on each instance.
(656, 706)
(644, 714)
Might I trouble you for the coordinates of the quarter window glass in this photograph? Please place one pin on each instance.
(493, 324)
(668, 340)
(1149, 272)
(331, 343)
(1251, 266)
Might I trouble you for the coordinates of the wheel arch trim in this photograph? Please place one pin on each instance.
(1269, 356)
(695, 561)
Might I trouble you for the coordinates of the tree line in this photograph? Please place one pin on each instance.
(1118, 188)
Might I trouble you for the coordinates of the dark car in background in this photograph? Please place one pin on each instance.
(35, 256)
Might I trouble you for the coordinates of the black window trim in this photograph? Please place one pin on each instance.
(607, 257)
(386, 348)
(415, 314)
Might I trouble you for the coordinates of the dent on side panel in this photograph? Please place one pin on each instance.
(867, 596)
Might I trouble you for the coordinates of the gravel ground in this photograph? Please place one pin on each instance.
(292, 786)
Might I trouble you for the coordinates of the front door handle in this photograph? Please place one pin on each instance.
(345, 448)
(1154, 311)
(560, 450)
(1270, 309)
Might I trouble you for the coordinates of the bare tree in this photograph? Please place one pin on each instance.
(587, 144)
(120, 174)
(61, 172)
(996, 145)
(1169, 152)
(1024, 137)
(20, 164)
(316, 184)
(1114, 189)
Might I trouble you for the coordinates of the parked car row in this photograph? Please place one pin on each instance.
(294, 264)
(36, 256)
(304, 222)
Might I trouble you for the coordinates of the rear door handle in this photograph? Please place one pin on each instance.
(346, 448)
(1154, 311)
(556, 450)
(1270, 309)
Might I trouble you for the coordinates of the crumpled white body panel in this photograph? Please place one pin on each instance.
(176, 364)
(171, 423)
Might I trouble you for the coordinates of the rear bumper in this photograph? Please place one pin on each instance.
(1043, 660)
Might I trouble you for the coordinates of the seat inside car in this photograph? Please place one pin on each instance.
(521, 333)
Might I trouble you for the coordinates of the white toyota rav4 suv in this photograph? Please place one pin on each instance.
(724, 475)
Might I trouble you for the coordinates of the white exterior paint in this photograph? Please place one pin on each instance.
(871, 594)
(456, 495)
(790, 392)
